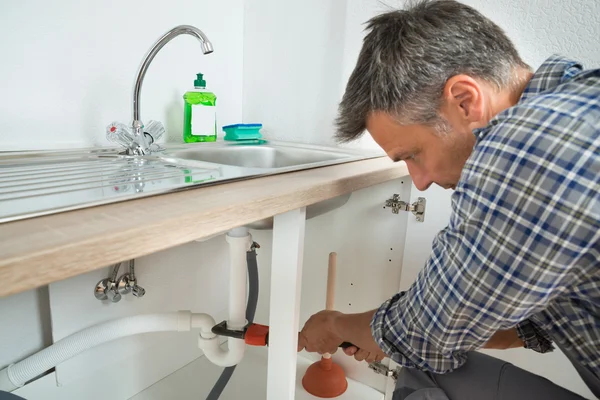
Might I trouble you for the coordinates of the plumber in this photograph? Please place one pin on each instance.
(442, 88)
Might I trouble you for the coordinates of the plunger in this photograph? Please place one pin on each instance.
(325, 378)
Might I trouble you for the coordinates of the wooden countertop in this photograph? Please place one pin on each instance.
(42, 250)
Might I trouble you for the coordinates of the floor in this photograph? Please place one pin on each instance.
(195, 380)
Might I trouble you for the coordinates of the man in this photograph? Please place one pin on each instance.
(442, 88)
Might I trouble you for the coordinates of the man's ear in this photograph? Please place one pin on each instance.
(463, 99)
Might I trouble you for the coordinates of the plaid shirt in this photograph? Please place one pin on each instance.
(522, 248)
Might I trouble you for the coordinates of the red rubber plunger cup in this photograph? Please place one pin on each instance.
(325, 378)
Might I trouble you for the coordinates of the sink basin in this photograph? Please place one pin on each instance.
(265, 159)
(45, 182)
(258, 156)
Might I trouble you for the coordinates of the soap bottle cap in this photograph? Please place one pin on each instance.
(199, 82)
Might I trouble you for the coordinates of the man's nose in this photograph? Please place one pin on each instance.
(420, 179)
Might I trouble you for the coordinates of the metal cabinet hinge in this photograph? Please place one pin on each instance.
(417, 208)
(381, 369)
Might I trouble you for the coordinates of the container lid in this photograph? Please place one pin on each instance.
(199, 81)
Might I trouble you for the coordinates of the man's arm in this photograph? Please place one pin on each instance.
(514, 243)
(355, 328)
(333, 327)
(505, 339)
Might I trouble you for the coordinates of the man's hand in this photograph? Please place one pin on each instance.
(326, 330)
(361, 354)
(319, 334)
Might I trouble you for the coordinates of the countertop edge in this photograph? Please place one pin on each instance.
(42, 250)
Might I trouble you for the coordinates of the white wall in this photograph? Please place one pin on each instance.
(299, 55)
(293, 53)
(68, 67)
(297, 59)
(540, 28)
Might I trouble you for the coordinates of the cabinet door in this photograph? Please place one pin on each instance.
(419, 237)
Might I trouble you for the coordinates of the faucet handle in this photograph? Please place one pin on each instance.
(122, 134)
(119, 133)
(155, 129)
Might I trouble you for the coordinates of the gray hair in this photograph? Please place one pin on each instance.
(408, 56)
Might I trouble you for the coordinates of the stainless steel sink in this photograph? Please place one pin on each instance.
(39, 183)
(270, 158)
(45, 182)
(258, 156)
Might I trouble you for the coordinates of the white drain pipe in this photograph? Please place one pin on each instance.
(16, 375)
(240, 241)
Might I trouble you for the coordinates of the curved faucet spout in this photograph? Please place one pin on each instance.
(160, 43)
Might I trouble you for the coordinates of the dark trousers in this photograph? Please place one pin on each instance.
(481, 378)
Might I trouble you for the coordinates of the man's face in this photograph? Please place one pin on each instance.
(430, 157)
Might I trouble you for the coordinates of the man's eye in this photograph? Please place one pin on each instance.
(404, 157)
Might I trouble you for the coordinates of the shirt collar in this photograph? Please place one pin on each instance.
(554, 71)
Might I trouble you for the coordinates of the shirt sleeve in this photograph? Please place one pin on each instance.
(534, 337)
(522, 232)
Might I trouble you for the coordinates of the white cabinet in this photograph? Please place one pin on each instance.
(368, 238)
(378, 253)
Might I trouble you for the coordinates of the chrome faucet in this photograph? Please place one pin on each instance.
(138, 142)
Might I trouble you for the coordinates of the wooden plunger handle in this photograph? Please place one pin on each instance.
(330, 299)
(330, 296)
(331, 271)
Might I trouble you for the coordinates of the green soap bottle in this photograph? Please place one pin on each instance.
(199, 114)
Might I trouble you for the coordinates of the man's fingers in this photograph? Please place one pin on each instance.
(350, 351)
(301, 342)
(311, 348)
(361, 354)
(364, 355)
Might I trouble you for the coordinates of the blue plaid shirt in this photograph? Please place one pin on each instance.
(522, 248)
